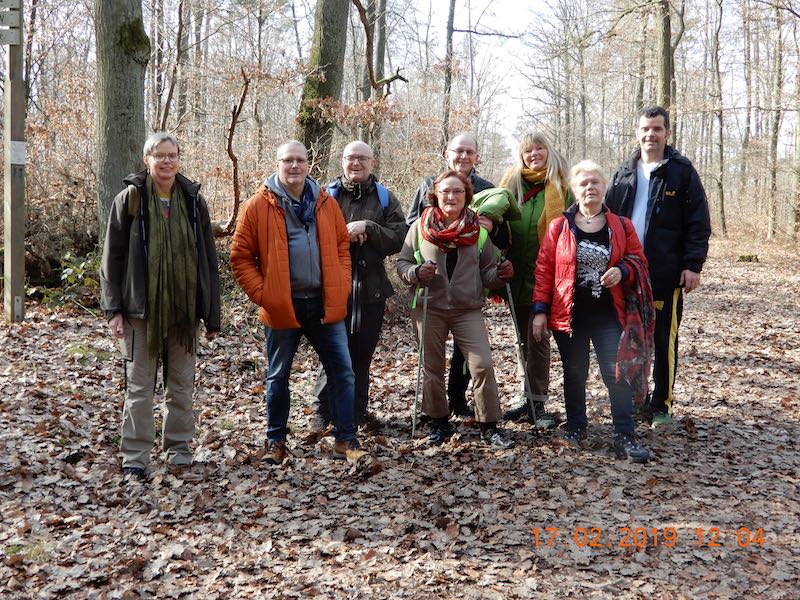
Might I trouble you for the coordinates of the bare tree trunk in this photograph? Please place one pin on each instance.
(638, 99)
(261, 21)
(31, 34)
(772, 200)
(327, 58)
(123, 50)
(183, 45)
(744, 184)
(794, 210)
(366, 84)
(448, 74)
(720, 129)
(296, 33)
(666, 69)
(380, 59)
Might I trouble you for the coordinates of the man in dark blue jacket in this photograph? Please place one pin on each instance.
(660, 191)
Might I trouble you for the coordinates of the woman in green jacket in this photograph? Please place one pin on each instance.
(539, 181)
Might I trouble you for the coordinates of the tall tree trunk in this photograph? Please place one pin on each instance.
(327, 60)
(666, 69)
(794, 209)
(744, 180)
(123, 50)
(772, 200)
(183, 56)
(365, 131)
(380, 59)
(448, 74)
(720, 129)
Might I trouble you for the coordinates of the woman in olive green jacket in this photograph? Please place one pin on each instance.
(539, 181)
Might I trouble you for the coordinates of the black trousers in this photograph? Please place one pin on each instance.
(362, 348)
(457, 380)
(669, 311)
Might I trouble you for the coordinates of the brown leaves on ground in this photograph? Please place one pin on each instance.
(714, 514)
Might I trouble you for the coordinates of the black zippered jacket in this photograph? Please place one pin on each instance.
(677, 224)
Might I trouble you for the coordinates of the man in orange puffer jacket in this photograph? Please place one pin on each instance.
(291, 256)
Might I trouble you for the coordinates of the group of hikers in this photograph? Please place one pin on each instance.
(568, 251)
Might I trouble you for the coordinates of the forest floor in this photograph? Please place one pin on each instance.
(715, 514)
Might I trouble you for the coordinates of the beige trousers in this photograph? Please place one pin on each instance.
(469, 332)
(138, 429)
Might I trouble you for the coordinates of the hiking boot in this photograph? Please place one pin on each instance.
(626, 446)
(542, 419)
(575, 438)
(133, 474)
(660, 419)
(496, 439)
(276, 451)
(440, 432)
(519, 410)
(345, 448)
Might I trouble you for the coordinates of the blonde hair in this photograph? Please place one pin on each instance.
(556, 167)
(587, 166)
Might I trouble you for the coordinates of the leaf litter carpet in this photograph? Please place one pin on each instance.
(713, 515)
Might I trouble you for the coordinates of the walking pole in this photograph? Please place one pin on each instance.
(520, 353)
(419, 359)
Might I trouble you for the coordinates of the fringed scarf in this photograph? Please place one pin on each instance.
(464, 231)
(636, 342)
(553, 201)
(172, 273)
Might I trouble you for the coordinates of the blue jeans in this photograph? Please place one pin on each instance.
(604, 331)
(330, 343)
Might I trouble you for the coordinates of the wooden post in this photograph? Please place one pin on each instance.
(14, 165)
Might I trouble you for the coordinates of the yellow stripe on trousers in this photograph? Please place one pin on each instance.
(673, 339)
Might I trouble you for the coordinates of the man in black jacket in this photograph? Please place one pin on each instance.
(377, 229)
(461, 155)
(660, 191)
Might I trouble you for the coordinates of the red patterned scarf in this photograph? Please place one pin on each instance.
(636, 343)
(462, 232)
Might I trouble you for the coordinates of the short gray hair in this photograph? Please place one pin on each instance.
(156, 138)
(587, 166)
(291, 143)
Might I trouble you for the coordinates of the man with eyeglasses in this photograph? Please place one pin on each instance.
(376, 225)
(461, 155)
(291, 256)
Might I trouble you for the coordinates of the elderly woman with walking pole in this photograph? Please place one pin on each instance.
(448, 253)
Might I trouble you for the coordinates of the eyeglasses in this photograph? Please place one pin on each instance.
(464, 151)
(159, 157)
(293, 161)
(457, 192)
(357, 159)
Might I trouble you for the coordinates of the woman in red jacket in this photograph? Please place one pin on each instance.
(586, 259)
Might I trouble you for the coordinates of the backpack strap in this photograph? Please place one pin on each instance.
(133, 200)
(383, 195)
(333, 188)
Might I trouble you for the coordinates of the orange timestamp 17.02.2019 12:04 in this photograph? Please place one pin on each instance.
(648, 537)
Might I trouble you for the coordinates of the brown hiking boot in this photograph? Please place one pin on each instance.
(276, 451)
(349, 449)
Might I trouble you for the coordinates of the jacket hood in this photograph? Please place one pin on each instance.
(273, 184)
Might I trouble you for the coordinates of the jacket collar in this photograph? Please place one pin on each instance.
(273, 184)
(191, 188)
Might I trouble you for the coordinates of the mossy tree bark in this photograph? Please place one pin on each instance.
(324, 84)
(123, 50)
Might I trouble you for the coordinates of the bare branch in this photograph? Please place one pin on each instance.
(227, 229)
(489, 33)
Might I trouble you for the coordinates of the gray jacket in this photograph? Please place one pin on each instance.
(474, 271)
(123, 271)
